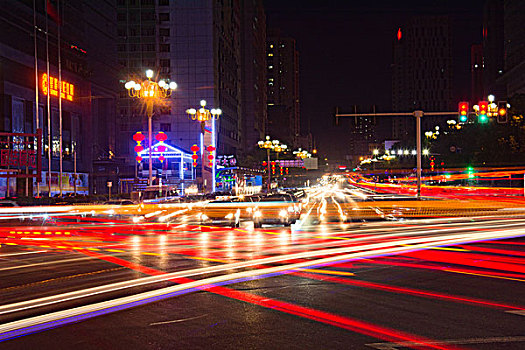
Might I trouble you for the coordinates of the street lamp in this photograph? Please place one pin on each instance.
(151, 92)
(302, 154)
(274, 145)
(202, 115)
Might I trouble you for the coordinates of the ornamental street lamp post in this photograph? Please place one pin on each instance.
(151, 92)
(203, 115)
(271, 145)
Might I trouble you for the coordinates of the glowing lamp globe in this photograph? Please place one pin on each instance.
(210, 156)
(195, 148)
(139, 148)
(138, 158)
(211, 148)
(162, 158)
(195, 157)
(162, 148)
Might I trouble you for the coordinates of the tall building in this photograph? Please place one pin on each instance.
(197, 44)
(476, 73)
(514, 46)
(422, 72)
(283, 88)
(253, 74)
(89, 87)
(493, 53)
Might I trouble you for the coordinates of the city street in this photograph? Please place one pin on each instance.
(106, 280)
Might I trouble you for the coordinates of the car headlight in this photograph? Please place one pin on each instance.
(291, 209)
(204, 217)
(257, 214)
(283, 213)
(229, 216)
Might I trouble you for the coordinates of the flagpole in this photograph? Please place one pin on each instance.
(37, 108)
(48, 109)
(59, 102)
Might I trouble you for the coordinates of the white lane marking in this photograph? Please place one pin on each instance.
(492, 340)
(516, 312)
(23, 253)
(153, 295)
(180, 320)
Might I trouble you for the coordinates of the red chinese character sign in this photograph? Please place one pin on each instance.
(20, 155)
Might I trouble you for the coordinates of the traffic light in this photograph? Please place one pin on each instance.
(502, 112)
(482, 112)
(463, 109)
(470, 172)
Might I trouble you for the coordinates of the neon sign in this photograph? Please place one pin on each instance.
(51, 86)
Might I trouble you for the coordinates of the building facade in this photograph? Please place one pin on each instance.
(197, 44)
(477, 86)
(89, 88)
(421, 72)
(283, 88)
(253, 74)
(493, 49)
(514, 47)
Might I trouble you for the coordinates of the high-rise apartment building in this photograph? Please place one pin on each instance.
(514, 47)
(422, 72)
(197, 44)
(493, 54)
(253, 74)
(476, 73)
(283, 88)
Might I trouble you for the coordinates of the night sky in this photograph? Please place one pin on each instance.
(345, 54)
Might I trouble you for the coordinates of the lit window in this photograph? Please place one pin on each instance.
(271, 46)
(270, 67)
(270, 54)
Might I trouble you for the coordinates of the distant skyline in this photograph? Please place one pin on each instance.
(345, 54)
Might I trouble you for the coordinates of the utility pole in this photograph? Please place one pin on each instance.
(418, 115)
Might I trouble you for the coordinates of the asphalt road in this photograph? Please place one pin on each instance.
(109, 284)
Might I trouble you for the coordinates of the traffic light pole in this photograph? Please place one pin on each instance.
(418, 115)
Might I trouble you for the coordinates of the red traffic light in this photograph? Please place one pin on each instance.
(483, 107)
(463, 108)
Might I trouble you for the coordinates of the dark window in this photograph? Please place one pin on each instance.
(121, 17)
(164, 31)
(148, 16)
(164, 2)
(148, 31)
(148, 47)
(164, 48)
(164, 17)
(164, 63)
(166, 127)
(147, 2)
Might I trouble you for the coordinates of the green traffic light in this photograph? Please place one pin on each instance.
(462, 118)
(482, 118)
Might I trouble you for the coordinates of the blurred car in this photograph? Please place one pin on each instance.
(223, 211)
(119, 202)
(283, 209)
(6, 203)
